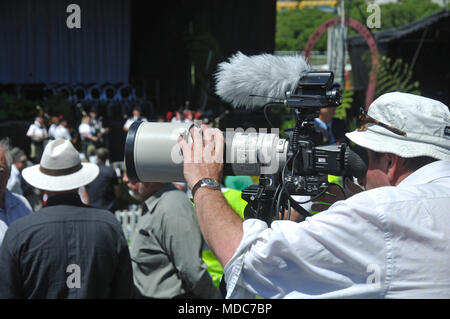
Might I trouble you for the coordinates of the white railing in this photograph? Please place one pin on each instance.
(128, 219)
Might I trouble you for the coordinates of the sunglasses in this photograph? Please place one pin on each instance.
(365, 120)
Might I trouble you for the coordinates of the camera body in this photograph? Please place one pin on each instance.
(315, 91)
(309, 162)
(312, 161)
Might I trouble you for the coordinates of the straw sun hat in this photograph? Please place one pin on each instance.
(424, 122)
(60, 169)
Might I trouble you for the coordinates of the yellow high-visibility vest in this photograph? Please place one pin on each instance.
(214, 267)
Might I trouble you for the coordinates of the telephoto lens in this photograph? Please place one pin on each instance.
(152, 152)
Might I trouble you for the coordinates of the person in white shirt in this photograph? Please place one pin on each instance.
(389, 241)
(97, 124)
(87, 136)
(15, 178)
(61, 131)
(52, 128)
(180, 117)
(136, 117)
(37, 132)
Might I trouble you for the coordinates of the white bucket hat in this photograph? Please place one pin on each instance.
(426, 123)
(60, 169)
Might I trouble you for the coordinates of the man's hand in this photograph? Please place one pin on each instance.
(220, 225)
(205, 157)
(335, 194)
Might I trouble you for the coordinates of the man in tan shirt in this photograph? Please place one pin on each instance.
(166, 247)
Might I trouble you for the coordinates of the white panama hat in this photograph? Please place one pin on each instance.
(60, 169)
(426, 123)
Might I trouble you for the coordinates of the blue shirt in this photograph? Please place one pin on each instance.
(327, 127)
(16, 207)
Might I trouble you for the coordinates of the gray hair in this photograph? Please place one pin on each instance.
(102, 154)
(4, 143)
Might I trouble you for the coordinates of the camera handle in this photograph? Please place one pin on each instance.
(260, 199)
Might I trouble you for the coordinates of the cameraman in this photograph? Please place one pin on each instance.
(390, 241)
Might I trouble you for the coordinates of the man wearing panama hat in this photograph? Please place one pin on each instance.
(66, 249)
(389, 241)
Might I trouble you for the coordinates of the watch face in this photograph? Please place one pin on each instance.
(209, 182)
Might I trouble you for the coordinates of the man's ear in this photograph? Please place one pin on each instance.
(393, 167)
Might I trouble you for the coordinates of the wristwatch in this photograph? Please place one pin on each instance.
(205, 182)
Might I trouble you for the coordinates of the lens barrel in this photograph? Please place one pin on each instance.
(152, 152)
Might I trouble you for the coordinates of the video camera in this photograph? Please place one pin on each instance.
(308, 163)
(296, 166)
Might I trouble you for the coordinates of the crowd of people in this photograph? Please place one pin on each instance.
(183, 272)
(385, 237)
(91, 133)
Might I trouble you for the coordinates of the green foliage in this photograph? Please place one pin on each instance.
(282, 116)
(286, 125)
(12, 108)
(294, 27)
(346, 104)
(393, 14)
(395, 76)
(57, 105)
(397, 14)
(201, 48)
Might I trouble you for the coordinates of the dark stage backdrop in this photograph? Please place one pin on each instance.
(38, 47)
(172, 42)
(161, 48)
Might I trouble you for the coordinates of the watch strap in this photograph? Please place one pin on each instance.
(199, 184)
(196, 187)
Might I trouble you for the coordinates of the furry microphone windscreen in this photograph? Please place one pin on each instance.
(265, 75)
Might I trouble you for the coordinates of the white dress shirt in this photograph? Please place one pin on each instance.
(37, 130)
(15, 181)
(175, 120)
(52, 130)
(87, 129)
(62, 132)
(388, 242)
(132, 120)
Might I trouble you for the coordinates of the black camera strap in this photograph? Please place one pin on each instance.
(295, 205)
